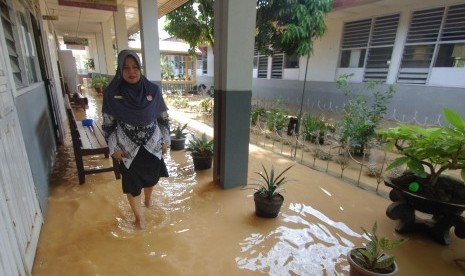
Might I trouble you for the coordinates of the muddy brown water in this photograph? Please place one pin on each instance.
(197, 228)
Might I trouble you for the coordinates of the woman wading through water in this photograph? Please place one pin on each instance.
(136, 126)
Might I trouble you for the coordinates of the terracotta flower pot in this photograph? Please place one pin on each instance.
(357, 270)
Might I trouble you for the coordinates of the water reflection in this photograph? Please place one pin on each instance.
(309, 243)
(197, 228)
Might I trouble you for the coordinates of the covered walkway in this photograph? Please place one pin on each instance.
(197, 228)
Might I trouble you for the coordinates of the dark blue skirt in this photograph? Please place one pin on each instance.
(144, 172)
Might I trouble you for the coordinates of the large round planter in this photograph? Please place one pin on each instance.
(202, 162)
(357, 270)
(445, 215)
(99, 90)
(267, 208)
(178, 144)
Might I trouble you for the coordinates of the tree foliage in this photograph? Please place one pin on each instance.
(192, 22)
(284, 25)
(290, 25)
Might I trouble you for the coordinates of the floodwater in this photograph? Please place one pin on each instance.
(197, 228)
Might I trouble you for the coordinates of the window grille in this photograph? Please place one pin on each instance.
(368, 43)
(433, 34)
(454, 25)
(261, 63)
(277, 62)
(12, 42)
(356, 34)
(381, 43)
(291, 61)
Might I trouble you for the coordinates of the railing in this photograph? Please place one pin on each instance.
(177, 86)
(327, 154)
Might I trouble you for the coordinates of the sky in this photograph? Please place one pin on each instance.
(161, 32)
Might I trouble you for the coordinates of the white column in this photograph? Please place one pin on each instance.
(396, 56)
(108, 46)
(210, 62)
(148, 18)
(233, 39)
(93, 52)
(100, 63)
(121, 29)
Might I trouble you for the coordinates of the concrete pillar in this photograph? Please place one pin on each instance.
(100, 64)
(396, 56)
(121, 30)
(148, 18)
(234, 42)
(210, 62)
(108, 46)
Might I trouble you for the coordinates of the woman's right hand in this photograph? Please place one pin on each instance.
(118, 155)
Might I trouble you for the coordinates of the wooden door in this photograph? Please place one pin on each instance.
(20, 215)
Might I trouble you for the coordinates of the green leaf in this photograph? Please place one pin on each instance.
(398, 162)
(462, 174)
(384, 261)
(454, 118)
(417, 168)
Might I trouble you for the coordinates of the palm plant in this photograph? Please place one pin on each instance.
(200, 146)
(179, 131)
(270, 184)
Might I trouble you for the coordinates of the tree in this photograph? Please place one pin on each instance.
(290, 26)
(192, 22)
(284, 25)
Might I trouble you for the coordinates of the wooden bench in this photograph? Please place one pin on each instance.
(89, 140)
(76, 99)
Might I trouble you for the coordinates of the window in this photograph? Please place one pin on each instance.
(21, 48)
(291, 61)
(199, 62)
(434, 35)
(380, 48)
(354, 43)
(29, 50)
(203, 60)
(277, 61)
(261, 64)
(204, 65)
(11, 38)
(369, 43)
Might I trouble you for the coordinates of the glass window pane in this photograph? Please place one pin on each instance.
(292, 61)
(451, 55)
(353, 58)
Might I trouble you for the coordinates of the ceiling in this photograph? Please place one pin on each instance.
(81, 22)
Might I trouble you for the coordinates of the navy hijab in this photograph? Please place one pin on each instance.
(135, 104)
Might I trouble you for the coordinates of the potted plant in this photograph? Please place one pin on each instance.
(428, 153)
(99, 83)
(314, 128)
(89, 64)
(178, 139)
(362, 114)
(267, 197)
(276, 117)
(256, 112)
(372, 259)
(201, 150)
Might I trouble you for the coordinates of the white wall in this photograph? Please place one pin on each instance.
(447, 77)
(323, 61)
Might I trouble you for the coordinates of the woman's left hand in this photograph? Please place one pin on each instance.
(164, 148)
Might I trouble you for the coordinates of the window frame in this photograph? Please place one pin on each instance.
(25, 72)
